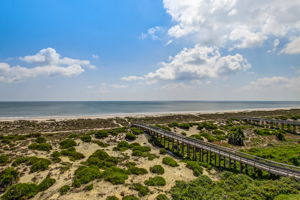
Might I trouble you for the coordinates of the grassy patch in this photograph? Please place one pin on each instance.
(67, 143)
(130, 197)
(161, 197)
(142, 190)
(8, 177)
(195, 166)
(130, 136)
(4, 159)
(170, 161)
(85, 175)
(112, 198)
(155, 181)
(40, 140)
(88, 187)
(101, 159)
(40, 146)
(86, 138)
(64, 189)
(46, 183)
(137, 170)
(115, 175)
(20, 191)
(72, 154)
(37, 164)
(157, 169)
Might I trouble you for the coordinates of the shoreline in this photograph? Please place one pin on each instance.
(139, 115)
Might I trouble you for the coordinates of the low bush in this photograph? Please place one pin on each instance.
(85, 175)
(72, 154)
(64, 189)
(161, 197)
(208, 136)
(170, 161)
(112, 198)
(130, 197)
(173, 124)
(101, 159)
(73, 135)
(88, 187)
(218, 132)
(46, 183)
(37, 164)
(8, 177)
(155, 181)
(185, 126)
(195, 166)
(55, 156)
(100, 134)
(101, 144)
(67, 143)
(136, 131)
(20, 191)
(115, 175)
(40, 146)
(130, 136)
(122, 146)
(207, 126)
(137, 170)
(40, 140)
(162, 151)
(157, 169)
(142, 190)
(236, 137)
(4, 159)
(86, 138)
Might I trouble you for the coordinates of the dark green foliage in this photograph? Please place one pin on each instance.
(112, 198)
(236, 137)
(280, 136)
(115, 175)
(183, 133)
(122, 146)
(40, 146)
(218, 132)
(101, 144)
(209, 137)
(136, 131)
(130, 136)
(170, 161)
(136, 170)
(101, 159)
(40, 140)
(101, 134)
(4, 159)
(287, 197)
(161, 197)
(155, 181)
(64, 189)
(20, 191)
(85, 175)
(46, 183)
(195, 166)
(207, 126)
(37, 164)
(130, 197)
(86, 138)
(233, 187)
(88, 187)
(157, 169)
(143, 190)
(67, 143)
(286, 153)
(72, 154)
(73, 135)
(173, 124)
(185, 126)
(197, 136)
(8, 177)
(162, 151)
(55, 157)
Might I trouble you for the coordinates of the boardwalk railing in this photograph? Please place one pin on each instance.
(248, 160)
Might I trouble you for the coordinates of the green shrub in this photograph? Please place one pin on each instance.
(155, 181)
(20, 191)
(142, 190)
(4, 159)
(195, 166)
(218, 132)
(173, 124)
(122, 146)
(64, 189)
(86, 138)
(183, 133)
(112, 198)
(101, 134)
(185, 126)
(40, 146)
(101, 159)
(207, 126)
(88, 187)
(73, 135)
(161, 197)
(162, 151)
(136, 131)
(101, 144)
(72, 154)
(236, 137)
(8, 177)
(67, 143)
(130, 136)
(40, 164)
(137, 170)
(85, 175)
(55, 157)
(40, 140)
(115, 175)
(46, 183)
(208, 136)
(130, 197)
(170, 161)
(287, 197)
(157, 169)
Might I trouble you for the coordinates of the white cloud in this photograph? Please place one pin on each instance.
(132, 78)
(153, 33)
(276, 42)
(267, 82)
(199, 63)
(48, 63)
(233, 23)
(293, 47)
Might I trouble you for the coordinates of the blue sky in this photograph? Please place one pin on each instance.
(149, 50)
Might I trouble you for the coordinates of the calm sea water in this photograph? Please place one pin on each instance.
(48, 109)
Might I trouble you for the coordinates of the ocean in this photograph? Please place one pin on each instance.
(98, 108)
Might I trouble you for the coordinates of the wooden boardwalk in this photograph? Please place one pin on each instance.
(217, 155)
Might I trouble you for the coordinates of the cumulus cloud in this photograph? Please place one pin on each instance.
(199, 63)
(293, 47)
(152, 33)
(132, 78)
(47, 63)
(276, 42)
(233, 23)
